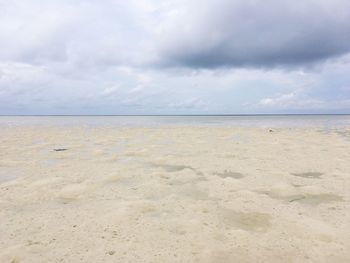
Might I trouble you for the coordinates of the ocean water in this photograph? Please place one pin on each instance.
(262, 121)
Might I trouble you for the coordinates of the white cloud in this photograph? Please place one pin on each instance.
(299, 101)
(293, 100)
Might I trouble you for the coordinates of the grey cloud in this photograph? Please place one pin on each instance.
(240, 33)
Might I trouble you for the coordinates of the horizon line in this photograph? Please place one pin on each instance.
(170, 115)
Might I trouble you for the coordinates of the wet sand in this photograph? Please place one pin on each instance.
(174, 194)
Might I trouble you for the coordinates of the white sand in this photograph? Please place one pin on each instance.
(177, 194)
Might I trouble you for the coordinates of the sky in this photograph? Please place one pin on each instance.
(174, 57)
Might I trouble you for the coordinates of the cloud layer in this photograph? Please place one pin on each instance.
(174, 56)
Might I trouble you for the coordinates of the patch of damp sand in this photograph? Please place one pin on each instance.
(184, 192)
(308, 194)
(308, 175)
(310, 199)
(230, 174)
(164, 205)
(306, 228)
(75, 191)
(317, 199)
(194, 193)
(172, 168)
(8, 175)
(248, 221)
(182, 177)
(180, 181)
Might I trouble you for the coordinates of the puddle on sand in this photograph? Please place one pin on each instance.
(230, 174)
(172, 168)
(317, 199)
(49, 162)
(193, 193)
(180, 192)
(308, 174)
(7, 175)
(311, 199)
(184, 182)
(344, 134)
(253, 221)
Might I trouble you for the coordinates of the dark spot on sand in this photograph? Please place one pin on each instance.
(112, 252)
(60, 149)
(297, 199)
(308, 174)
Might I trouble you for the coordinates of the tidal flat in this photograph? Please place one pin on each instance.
(174, 194)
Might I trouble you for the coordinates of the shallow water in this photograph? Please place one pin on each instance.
(268, 121)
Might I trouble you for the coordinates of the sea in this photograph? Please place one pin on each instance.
(261, 121)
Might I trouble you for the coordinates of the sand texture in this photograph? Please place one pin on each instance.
(174, 194)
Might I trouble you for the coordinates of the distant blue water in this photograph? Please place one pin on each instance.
(273, 121)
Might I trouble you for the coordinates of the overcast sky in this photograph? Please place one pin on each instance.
(174, 56)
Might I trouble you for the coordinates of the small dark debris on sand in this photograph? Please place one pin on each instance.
(60, 150)
(270, 130)
(297, 199)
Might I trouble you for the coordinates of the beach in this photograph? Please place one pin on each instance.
(174, 193)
